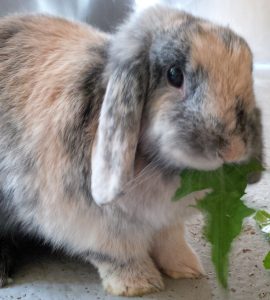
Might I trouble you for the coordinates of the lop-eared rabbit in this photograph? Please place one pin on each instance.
(95, 128)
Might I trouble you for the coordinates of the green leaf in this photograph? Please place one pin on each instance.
(266, 261)
(194, 180)
(225, 214)
(224, 208)
(262, 218)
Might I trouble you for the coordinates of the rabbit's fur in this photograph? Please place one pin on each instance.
(88, 118)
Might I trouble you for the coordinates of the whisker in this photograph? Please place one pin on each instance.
(147, 173)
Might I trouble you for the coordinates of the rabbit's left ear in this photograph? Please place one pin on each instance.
(115, 146)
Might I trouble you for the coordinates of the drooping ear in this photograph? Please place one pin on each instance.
(115, 146)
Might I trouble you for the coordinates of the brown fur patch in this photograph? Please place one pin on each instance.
(234, 151)
(229, 72)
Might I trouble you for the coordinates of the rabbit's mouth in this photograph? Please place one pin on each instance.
(175, 159)
(179, 158)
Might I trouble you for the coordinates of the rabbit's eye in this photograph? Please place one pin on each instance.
(175, 76)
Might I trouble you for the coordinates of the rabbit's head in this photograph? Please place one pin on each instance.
(180, 90)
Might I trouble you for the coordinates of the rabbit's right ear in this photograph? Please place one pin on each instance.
(115, 146)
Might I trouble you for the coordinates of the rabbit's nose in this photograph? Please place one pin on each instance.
(234, 151)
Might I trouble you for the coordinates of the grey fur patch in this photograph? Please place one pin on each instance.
(255, 133)
(196, 80)
(75, 138)
(87, 107)
(241, 118)
(7, 33)
(229, 39)
(15, 162)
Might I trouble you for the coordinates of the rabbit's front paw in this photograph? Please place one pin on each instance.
(174, 256)
(185, 271)
(182, 264)
(132, 279)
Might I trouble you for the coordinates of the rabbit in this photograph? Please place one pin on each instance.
(95, 129)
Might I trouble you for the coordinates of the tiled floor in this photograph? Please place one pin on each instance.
(51, 278)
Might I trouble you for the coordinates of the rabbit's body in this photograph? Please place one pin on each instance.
(63, 150)
(51, 93)
(57, 116)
